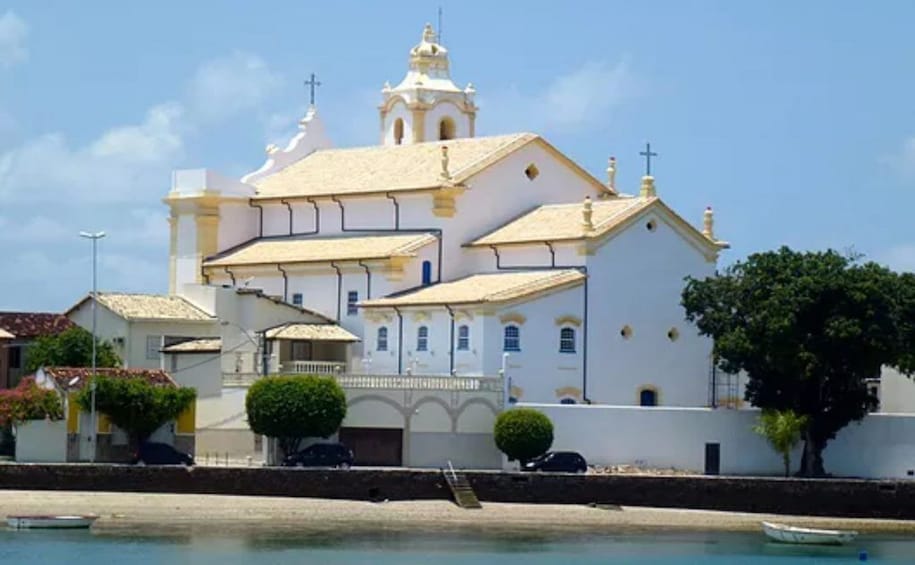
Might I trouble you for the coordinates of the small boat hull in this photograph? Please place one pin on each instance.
(807, 536)
(50, 522)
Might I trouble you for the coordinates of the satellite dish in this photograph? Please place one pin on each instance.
(73, 381)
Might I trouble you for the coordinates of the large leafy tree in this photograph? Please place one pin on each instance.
(808, 329)
(70, 348)
(290, 408)
(135, 405)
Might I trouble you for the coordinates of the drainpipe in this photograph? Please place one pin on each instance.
(399, 340)
(288, 207)
(396, 210)
(451, 341)
(285, 282)
(231, 275)
(317, 217)
(549, 246)
(368, 280)
(584, 318)
(333, 265)
(260, 230)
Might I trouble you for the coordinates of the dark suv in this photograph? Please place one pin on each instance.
(321, 455)
(557, 462)
(152, 453)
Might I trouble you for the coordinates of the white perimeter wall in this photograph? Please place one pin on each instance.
(881, 446)
(38, 441)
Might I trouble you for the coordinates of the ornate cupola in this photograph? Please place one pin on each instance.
(427, 105)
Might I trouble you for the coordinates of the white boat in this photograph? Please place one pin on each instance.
(50, 522)
(793, 534)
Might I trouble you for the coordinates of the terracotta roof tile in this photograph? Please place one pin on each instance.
(311, 332)
(34, 324)
(317, 250)
(63, 376)
(388, 168)
(151, 307)
(485, 288)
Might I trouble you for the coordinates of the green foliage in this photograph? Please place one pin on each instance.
(28, 401)
(808, 329)
(290, 408)
(523, 433)
(782, 429)
(70, 348)
(135, 405)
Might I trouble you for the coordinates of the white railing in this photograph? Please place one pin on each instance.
(388, 382)
(421, 382)
(314, 367)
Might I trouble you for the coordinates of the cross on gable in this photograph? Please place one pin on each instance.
(648, 155)
(312, 83)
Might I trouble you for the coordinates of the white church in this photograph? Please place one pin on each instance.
(448, 276)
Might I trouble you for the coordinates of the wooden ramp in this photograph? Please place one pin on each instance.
(460, 488)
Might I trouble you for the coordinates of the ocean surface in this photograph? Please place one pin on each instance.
(77, 547)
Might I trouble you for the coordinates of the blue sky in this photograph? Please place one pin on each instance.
(793, 120)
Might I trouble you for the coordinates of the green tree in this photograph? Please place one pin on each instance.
(808, 329)
(135, 405)
(523, 433)
(782, 429)
(290, 408)
(70, 348)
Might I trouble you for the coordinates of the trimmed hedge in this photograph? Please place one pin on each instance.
(523, 433)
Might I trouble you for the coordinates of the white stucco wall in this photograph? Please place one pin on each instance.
(881, 446)
(40, 441)
(109, 327)
(897, 392)
(399, 110)
(200, 371)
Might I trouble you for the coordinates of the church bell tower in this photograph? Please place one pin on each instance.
(427, 105)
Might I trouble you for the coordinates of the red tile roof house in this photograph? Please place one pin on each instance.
(17, 331)
(70, 440)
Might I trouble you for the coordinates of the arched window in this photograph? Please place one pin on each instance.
(446, 129)
(511, 339)
(463, 343)
(398, 131)
(427, 273)
(422, 339)
(648, 397)
(567, 340)
(381, 344)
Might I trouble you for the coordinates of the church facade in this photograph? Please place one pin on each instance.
(454, 255)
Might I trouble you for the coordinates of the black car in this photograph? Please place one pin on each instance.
(321, 455)
(557, 462)
(153, 453)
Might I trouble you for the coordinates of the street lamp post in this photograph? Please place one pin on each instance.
(92, 416)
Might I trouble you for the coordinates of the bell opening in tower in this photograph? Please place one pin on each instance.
(398, 131)
(446, 129)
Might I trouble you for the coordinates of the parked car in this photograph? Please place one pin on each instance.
(153, 453)
(557, 462)
(321, 455)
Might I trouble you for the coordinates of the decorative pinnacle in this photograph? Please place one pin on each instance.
(586, 213)
(611, 174)
(708, 223)
(647, 190)
(445, 174)
(428, 34)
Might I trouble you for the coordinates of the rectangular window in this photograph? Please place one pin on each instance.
(511, 339)
(297, 299)
(153, 343)
(382, 341)
(352, 297)
(422, 339)
(567, 340)
(15, 357)
(463, 343)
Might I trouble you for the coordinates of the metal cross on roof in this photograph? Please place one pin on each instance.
(312, 83)
(648, 155)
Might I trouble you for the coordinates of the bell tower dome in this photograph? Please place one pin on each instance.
(427, 105)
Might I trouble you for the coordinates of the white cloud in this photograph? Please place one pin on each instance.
(33, 229)
(13, 32)
(900, 257)
(224, 87)
(576, 101)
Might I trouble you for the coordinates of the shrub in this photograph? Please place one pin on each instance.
(290, 408)
(135, 405)
(28, 401)
(523, 433)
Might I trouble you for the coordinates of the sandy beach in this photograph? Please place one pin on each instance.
(174, 514)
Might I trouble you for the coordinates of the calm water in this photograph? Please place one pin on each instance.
(668, 549)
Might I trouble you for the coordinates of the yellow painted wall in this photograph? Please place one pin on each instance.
(104, 424)
(187, 420)
(72, 414)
